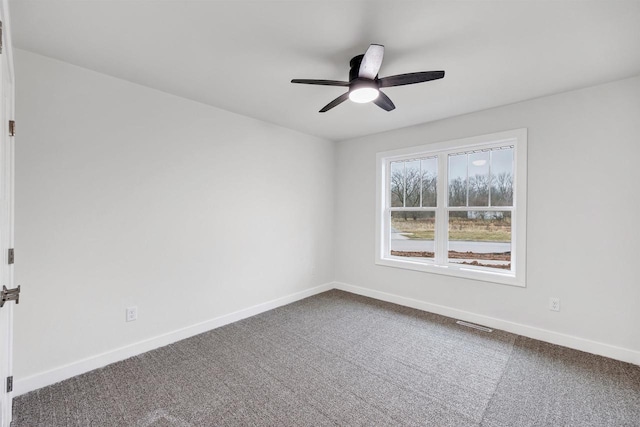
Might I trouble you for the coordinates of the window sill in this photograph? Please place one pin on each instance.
(465, 273)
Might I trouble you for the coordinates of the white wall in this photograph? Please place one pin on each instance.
(583, 225)
(130, 196)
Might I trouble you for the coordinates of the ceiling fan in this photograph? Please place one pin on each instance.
(364, 84)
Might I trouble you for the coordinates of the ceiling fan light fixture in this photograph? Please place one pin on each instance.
(363, 95)
(363, 91)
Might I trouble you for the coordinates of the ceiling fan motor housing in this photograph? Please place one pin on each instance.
(360, 83)
(355, 67)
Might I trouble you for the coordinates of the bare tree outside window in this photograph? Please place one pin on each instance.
(397, 184)
(502, 189)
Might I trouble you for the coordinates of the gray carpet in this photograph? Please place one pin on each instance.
(341, 359)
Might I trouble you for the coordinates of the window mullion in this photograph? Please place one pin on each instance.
(441, 235)
(421, 181)
(490, 176)
(404, 184)
(386, 215)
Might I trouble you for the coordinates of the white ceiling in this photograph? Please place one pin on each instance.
(241, 55)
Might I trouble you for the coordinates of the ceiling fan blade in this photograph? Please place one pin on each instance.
(371, 62)
(410, 78)
(320, 82)
(337, 101)
(384, 102)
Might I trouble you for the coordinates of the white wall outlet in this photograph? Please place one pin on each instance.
(554, 304)
(132, 314)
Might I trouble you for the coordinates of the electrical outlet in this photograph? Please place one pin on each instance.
(132, 314)
(554, 304)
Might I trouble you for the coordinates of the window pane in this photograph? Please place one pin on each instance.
(502, 177)
(479, 178)
(458, 180)
(412, 234)
(429, 181)
(397, 184)
(480, 238)
(412, 182)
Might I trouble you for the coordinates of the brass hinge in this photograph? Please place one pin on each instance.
(10, 384)
(12, 128)
(12, 256)
(9, 295)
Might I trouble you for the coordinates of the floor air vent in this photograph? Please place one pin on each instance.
(474, 326)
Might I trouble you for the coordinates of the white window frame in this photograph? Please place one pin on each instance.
(517, 138)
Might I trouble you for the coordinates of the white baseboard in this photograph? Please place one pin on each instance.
(594, 347)
(42, 379)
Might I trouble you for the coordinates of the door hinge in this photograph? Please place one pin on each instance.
(12, 128)
(10, 295)
(1, 37)
(12, 256)
(10, 384)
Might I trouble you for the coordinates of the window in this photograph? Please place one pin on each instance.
(456, 208)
